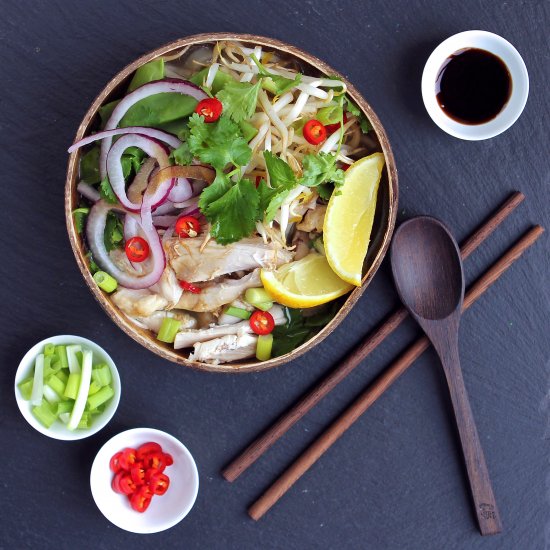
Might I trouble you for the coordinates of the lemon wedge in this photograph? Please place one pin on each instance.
(305, 283)
(348, 220)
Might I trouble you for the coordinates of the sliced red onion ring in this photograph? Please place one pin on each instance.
(167, 207)
(170, 139)
(152, 88)
(131, 227)
(181, 191)
(88, 191)
(193, 201)
(164, 221)
(116, 176)
(95, 229)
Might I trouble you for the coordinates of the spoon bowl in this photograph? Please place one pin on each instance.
(427, 268)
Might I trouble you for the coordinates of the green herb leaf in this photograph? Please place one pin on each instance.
(113, 235)
(325, 190)
(218, 143)
(299, 328)
(182, 155)
(106, 192)
(274, 83)
(219, 82)
(80, 215)
(239, 99)
(154, 70)
(93, 266)
(351, 107)
(219, 187)
(329, 115)
(321, 168)
(280, 173)
(234, 214)
(89, 166)
(364, 123)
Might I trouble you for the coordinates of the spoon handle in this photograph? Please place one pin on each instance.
(478, 475)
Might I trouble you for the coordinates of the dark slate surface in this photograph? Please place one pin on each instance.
(395, 480)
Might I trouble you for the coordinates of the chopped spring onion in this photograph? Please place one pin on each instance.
(94, 387)
(63, 375)
(61, 352)
(74, 366)
(259, 298)
(105, 281)
(63, 407)
(101, 375)
(38, 381)
(48, 370)
(102, 396)
(238, 312)
(73, 383)
(168, 330)
(25, 388)
(264, 346)
(43, 413)
(49, 349)
(50, 395)
(56, 384)
(82, 396)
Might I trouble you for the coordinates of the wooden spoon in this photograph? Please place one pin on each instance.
(429, 278)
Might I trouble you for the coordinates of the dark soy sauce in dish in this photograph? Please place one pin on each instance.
(473, 86)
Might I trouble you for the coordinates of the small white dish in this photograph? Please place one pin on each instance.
(58, 430)
(164, 511)
(512, 59)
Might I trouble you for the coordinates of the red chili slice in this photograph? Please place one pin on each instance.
(211, 109)
(126, 484)
(115, 484)
(345, 166)
(141, 499)
(137, 249)
(137, 473)
(262, 322)
(314, 132)
(114, 463)
(147, 448)
(187, 226)
(190, 287)
(159, 483)
(128, 458)
(331, 128)
(154, 460)
(168, 459)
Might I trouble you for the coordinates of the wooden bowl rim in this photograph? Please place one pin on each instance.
(140, 335)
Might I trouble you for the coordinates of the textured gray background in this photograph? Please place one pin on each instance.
(395, 480)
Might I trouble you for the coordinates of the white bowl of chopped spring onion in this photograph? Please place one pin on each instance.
(67, 387)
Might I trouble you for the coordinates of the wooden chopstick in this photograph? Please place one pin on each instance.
(381, 384)
(258, 447)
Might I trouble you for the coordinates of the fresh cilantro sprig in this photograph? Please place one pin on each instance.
(239, 99)
(321, 168)
(364, 123)
(219, 143)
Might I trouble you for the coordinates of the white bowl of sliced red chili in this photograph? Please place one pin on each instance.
(144, 480)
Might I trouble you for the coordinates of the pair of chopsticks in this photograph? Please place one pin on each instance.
(302, 464)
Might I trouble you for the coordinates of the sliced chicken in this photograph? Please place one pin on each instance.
(188, 338)
(194, 264)
(225, 349)
(313, 220)
(168, 287)
(154, 321)
(216, 294)
(138, 303)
